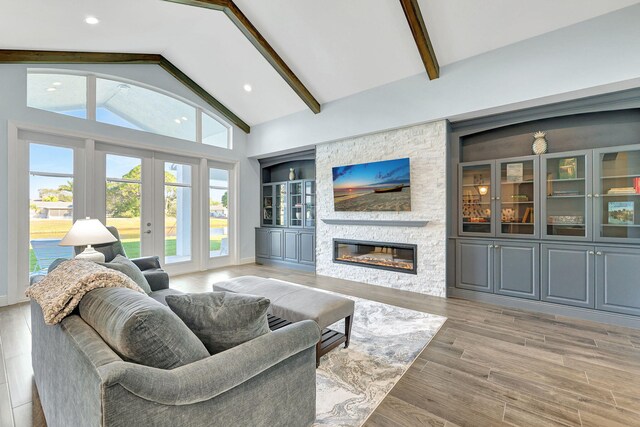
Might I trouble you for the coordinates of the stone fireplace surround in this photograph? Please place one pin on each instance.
(425, 145)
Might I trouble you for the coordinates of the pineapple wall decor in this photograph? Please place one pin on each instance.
(539, 143)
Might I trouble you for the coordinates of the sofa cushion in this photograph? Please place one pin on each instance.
(141, 329)
(162, 294)
(222, 320)
(126, 266)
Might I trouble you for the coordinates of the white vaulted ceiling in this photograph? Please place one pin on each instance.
(336, 47)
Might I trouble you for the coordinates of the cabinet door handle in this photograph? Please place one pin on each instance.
(493, 198)
(591, 252)
(596, 195)
(498, 198)
(598, 253)
(491, 246)
(589, 195)
(497, 246)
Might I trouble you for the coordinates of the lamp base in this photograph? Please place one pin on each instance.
(90, 254)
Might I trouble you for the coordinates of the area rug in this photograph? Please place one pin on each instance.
(385, 341)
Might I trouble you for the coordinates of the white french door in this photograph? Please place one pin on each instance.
(149, 198)
(181, 209)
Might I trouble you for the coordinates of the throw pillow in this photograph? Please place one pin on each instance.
(126, 266)
(140, 329)
(222, 320)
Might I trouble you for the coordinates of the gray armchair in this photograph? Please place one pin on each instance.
(150, 266)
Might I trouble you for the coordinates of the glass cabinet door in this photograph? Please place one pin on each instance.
(516, 198)
(280, 204)
(295, 204)
(476, 195)
(617, 198)
(267, 204)
(567, 202)
(309, 204)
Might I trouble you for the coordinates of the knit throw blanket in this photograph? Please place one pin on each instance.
(62, 289)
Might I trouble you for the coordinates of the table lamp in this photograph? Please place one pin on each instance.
(88, 232)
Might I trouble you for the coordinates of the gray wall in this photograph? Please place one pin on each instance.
(13, 107)
(593, 57)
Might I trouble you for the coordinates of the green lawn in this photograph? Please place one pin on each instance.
(132, 248)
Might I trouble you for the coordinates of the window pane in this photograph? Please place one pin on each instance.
(177, 223)
(50, 207)
(213, 132)
(135, 107)
(48, 158)
(59, 93)
(177, 173)
(121, 167)
(218, 177)
(218, 222)
(124, 201)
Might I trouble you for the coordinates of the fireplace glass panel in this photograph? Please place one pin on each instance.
(395, 257)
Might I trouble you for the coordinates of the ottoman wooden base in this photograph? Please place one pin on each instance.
(330, 339)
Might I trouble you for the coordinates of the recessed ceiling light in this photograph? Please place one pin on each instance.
(57, 83)
(247, 87)
(91, 20)
(51, 89)
(177, 121)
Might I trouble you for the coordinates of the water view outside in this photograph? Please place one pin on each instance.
(50, 204)
(218, 212)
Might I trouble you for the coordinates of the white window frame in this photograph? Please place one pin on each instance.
(92, 102)
(85, 203)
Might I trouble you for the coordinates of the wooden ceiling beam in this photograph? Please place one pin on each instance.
(414, 17)
(8, 56)
(260, 43)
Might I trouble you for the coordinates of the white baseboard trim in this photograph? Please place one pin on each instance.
(4, 300)
(250, 260)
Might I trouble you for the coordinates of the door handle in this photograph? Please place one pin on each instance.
(147, 232)
(496, 246)
(598, 253)
(596, 195)
(589, 196)
(591, 252)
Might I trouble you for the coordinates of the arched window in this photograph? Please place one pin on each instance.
(126, 104)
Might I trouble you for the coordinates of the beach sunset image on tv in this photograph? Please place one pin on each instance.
(377, 186)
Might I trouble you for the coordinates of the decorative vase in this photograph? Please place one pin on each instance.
(539, 143)
(298, 215)
(292, 174)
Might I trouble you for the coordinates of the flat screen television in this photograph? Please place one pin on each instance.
(373, 187)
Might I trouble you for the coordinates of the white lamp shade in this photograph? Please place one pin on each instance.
(87, 232)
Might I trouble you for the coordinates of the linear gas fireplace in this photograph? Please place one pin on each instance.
(386, 256)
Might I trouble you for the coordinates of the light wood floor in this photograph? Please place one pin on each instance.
(488, 366)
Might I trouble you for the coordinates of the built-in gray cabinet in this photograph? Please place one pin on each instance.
(474, 266)
(515, 270)
(501, 267)
(618, 279)
(263, 245)
(568, 274)
(292, 246)
(275, 244)
(307, 248)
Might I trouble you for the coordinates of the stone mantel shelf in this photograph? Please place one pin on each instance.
(383, 223)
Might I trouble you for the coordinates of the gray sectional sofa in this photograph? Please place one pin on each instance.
(268, 381)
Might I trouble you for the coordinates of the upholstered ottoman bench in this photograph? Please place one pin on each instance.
(295, 303)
